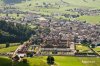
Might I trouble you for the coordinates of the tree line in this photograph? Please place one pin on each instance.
(11, 32)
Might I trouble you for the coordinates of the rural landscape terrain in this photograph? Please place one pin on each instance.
(49, 32)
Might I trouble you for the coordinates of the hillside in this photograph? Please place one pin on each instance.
(88, 3)
(72, 3)
(62, 3)
(56, 7)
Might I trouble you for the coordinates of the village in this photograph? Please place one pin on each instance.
(50, 33)
(58, 36)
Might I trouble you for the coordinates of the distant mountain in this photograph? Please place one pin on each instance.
(12, 1)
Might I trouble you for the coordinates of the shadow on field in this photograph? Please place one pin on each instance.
(7, 62)
(21, 64)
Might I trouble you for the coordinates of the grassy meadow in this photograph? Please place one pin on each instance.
(97, 49)
(83, 49)
(59, 61)
(9, 49)
(13, 47)
(11, 44)
(90, 19)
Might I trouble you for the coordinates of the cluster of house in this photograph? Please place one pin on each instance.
(25, 18)
(90, 12)
(64, 35)
(70, 32)
(11, 11)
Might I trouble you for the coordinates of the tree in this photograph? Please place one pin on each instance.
(44, 3)
(21, 42)
(7, 45)
(30, 4)
(89, 41)
(24, 60)
(30, 54)
(75, 39)
(77, 51)
(9, 32)
(92, 45)
(17, 14)
(7, 14)
(85, 42)
(47, 30)
(50, 60)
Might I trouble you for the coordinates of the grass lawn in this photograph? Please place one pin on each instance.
(11, 44)
(90, 19)
(9, 49)
(2, 46)
(75, 61)
(97, 49)
(67, 61)
(82, 48)
(4, 61)
(59, 61)
(36, 61)
(32, 26)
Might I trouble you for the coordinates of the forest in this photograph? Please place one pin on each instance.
(10, 32)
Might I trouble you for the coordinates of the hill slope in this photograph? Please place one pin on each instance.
(88, 3)
(51, 7)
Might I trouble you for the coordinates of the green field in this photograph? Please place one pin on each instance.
(9, 49)
(97, 49)
(2, 46)
(76, 61)
(11, 44)
(59, 61)
(90, 19)
(4, 61)
(83, 49)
